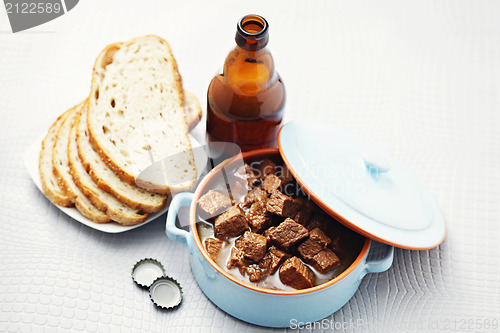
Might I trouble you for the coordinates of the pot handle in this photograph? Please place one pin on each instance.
(182, 236)
(379, 265)
(174, 233)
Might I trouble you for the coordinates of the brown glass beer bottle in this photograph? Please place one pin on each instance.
(245, 103)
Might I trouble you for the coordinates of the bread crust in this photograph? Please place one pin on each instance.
(60, 179)
(81, 202)
(57, 196)
(103, 153)
(88, 213)
(123, 214)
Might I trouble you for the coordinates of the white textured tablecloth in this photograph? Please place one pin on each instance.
(420, 79)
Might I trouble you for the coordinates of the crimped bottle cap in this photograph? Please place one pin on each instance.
(146, 271)
(165, 293)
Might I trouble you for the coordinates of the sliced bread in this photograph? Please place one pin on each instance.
(49, 181)
(107, 180)
(115, 209)
(61, 170)
(136, 114)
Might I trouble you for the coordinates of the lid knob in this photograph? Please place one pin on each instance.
(376, 164)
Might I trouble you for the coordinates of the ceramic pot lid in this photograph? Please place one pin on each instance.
(361, 186)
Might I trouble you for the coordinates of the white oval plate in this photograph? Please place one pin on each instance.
(31, 162)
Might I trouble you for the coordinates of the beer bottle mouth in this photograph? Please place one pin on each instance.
(252, 32)
(253, 25)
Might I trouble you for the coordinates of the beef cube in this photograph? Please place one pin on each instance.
(283, 205)
(303, 216)
(285, 175)
(213, 247)
(231, 223)
(213, 203)
(325, 260)
(254, 272)
(235, 259)
(268, 233)
(305, 212)
(267, 167)
(308, 249)
(288, 233)
(319, 236)
(252, 245)
(272, 260)
(246, 174)
(271, 183)
(295, 274)
(316, 242)
(258, 217)
(256, 194)
(320, 220)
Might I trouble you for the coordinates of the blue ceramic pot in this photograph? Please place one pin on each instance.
(265, 307)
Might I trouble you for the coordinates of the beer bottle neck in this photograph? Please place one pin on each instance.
(252, 33)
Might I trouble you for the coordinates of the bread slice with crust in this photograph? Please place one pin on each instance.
(107, 180)
(115, 209)
(61, 170)
(136, 114)
(49, 181)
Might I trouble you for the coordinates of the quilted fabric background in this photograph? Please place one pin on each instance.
(420, 79)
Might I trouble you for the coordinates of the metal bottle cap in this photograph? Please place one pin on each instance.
(146, 271)
(165, 292)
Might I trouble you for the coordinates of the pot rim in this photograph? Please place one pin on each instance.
(192, 217)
